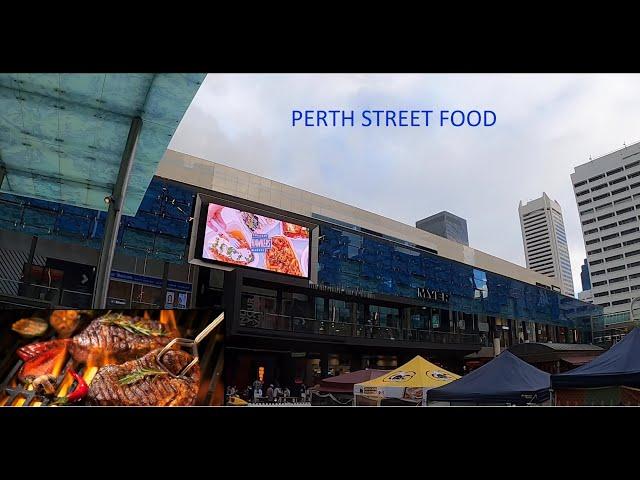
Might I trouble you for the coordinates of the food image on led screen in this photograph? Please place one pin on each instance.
(251, 240)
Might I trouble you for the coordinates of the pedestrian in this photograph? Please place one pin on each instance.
(270, 393)
(277, 393)
(286, 393)
(303, 392)
(257, 394)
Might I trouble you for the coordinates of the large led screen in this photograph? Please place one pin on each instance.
(247, 239)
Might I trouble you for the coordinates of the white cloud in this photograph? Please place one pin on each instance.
(547, 124)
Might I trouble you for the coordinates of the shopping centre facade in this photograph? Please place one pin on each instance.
(376, 291)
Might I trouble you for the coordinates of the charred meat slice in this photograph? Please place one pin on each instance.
(42, 359)
(142, 382)
(116, 338)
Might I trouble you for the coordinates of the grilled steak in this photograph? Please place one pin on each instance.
(116, 338)
(142, 382)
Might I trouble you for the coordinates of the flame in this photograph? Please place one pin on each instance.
(100, 358)
(168, 320)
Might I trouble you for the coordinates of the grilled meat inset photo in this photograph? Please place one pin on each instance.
(143, 382)
(116, 338)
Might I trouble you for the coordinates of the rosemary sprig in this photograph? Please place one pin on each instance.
(139, 374)
(135, 328)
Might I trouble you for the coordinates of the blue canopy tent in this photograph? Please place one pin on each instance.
(618, 366)
(504, 380)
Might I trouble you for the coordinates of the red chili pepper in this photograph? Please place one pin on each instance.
(81, 390)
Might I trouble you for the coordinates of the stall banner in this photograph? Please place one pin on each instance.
(410, 381)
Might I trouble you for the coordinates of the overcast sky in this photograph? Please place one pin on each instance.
(546, 125)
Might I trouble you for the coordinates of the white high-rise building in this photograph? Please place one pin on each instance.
(545, 240)
(607, 191)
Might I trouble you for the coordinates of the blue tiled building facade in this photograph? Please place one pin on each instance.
(347, 257)
(159, 230)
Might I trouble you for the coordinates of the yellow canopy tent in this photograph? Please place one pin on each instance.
(409, 381)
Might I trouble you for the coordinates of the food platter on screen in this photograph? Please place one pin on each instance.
(248, 239)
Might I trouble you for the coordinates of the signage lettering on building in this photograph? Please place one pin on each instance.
(434, 295)
(357, 292)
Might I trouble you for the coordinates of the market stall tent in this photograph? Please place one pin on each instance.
(410, 381)
(620, 365)
(504, 380)
(344, 383)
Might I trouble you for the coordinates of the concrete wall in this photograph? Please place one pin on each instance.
(223, 179)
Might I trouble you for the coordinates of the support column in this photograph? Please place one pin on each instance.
(32, 253)
(165, 283)
(112, 225)
(324, 365)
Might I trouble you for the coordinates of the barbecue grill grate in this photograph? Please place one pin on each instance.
(15, 393)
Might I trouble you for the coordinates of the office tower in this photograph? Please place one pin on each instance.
(607, 191)
(584, 276)
(446, 225)
(545, 240)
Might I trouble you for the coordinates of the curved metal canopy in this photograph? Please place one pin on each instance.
(62, 136)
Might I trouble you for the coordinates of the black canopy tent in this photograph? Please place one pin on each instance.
(618, 366)
(504, 380)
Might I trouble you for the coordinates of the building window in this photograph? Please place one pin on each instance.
(617, 180)
(621, 302)
(619, 190)
(619, 290)
(631, 230)
(614, 269)
(617, 279)
(630, 165)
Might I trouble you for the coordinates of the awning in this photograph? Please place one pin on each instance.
(62, 136)
(577, 359)
(344, 383)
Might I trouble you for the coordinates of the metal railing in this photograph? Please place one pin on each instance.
(53, 295)
(284, 323)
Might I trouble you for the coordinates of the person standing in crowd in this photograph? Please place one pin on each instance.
(257, 394)
(270, 393)
(257, 384)
(303, 392)
(277, 393)
(286, 393)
